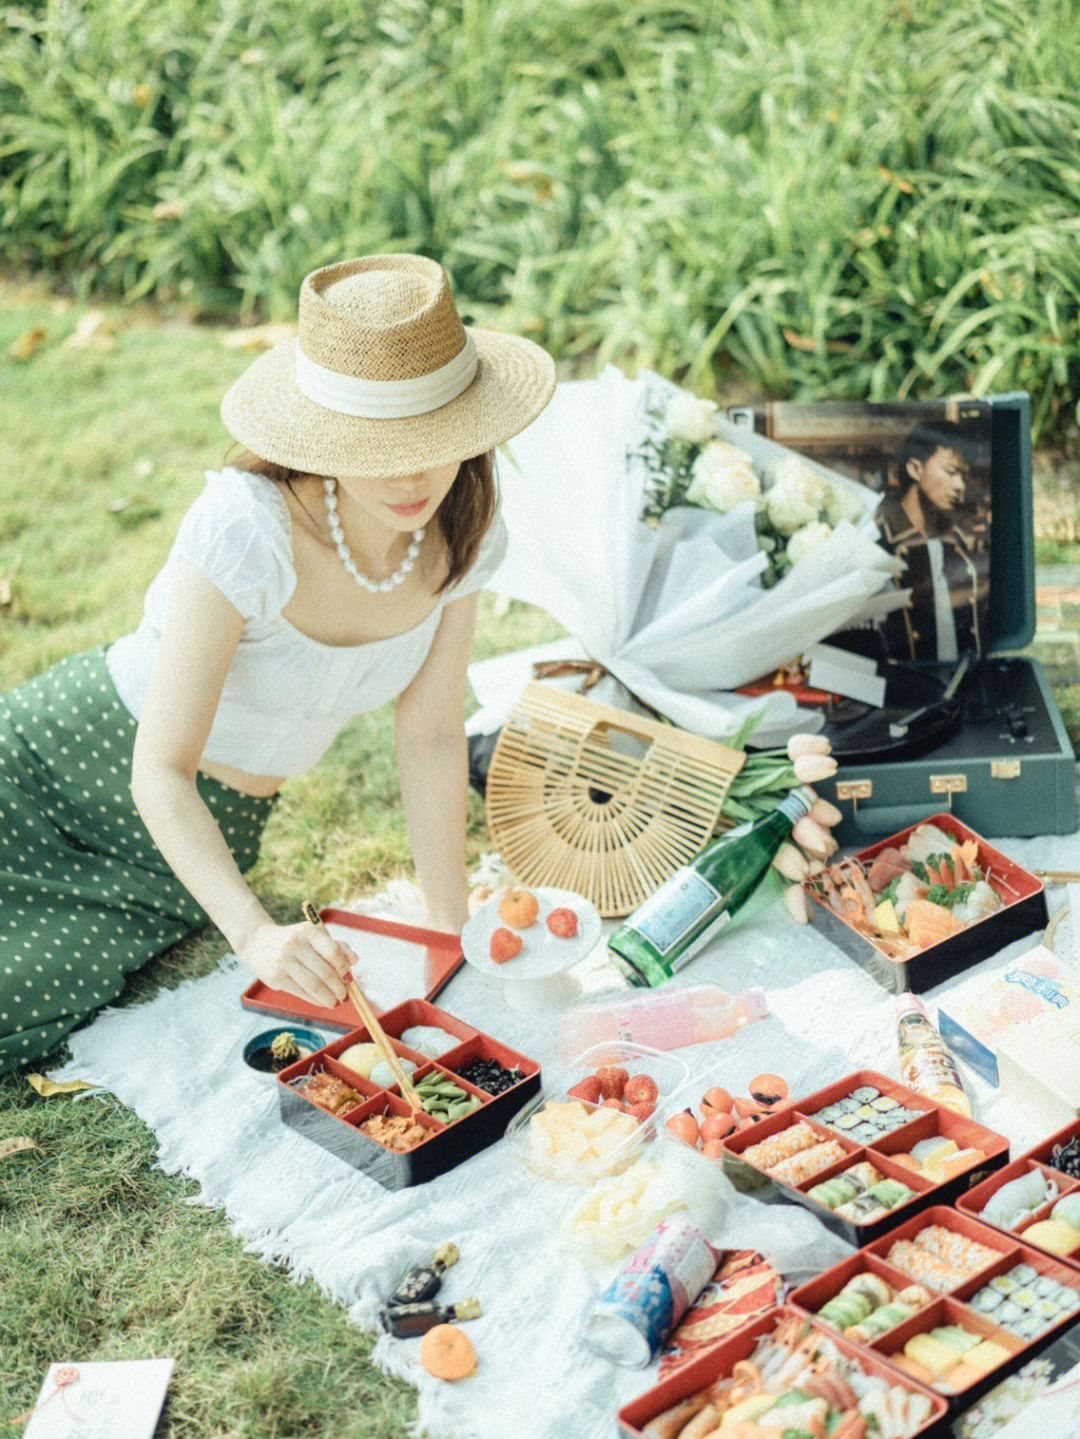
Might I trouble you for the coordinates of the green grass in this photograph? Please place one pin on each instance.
(884, 207)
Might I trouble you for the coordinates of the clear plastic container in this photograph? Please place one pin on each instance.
(618, 1214)
(573, 1141)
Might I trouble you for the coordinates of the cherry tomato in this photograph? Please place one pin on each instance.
(684, 1126)
(717, 1126)
(715, 1101)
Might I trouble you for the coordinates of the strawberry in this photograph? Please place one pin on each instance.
(641, 1112)
(612, 1081)
(640, 1089)
(562, 922)
(587, 1089)
(504, 945)
(612, 1103)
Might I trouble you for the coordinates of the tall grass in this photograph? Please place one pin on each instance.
(878, 202)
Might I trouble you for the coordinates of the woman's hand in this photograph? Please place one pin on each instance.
(300, 959)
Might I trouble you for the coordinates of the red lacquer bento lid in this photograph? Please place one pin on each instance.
(405, 962)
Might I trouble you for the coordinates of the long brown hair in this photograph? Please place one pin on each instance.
(463, 517)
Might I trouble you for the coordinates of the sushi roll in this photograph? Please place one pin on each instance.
(844, 1311)
(891, 1193)
(863, 1133)
(863, 1209)
(1025, 1296)
(871, 1286)
(923, 1267)
(955, 1248)
(865, 1174)
(781, 1145)
(798, 1167)
(1047, 1309)
(865, 1093)
(832, 1193)
(1030, 1326)
(884, 1103)
(866, 1111)
(1018, 1198)
(1024, 1274)
(915, 1295)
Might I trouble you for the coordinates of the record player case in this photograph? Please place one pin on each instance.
(1007, 766)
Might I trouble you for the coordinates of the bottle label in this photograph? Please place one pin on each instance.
(676, 910)
(666, 1022)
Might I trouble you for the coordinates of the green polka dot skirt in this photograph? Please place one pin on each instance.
(85, 895)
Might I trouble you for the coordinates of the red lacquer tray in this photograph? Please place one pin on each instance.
(1039, 1158)
(922, 1120)
(432, 957)
(971, 1300)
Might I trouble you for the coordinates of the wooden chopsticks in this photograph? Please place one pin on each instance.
(371, 1023)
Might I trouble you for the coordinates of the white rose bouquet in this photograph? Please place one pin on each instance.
(796, 505)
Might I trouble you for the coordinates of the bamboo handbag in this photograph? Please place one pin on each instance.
(588, 798)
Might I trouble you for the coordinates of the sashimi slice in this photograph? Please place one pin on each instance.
(928, 923)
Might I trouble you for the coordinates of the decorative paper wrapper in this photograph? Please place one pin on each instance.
(745, 1284)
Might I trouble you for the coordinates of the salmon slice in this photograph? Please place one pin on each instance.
(928, 923)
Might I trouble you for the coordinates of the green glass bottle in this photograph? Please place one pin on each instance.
(689, 908)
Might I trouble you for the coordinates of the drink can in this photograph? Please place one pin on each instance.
(640, 1308)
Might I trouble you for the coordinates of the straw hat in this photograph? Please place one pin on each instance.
(383, 378)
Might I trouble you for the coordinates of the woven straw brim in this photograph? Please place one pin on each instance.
(266, 411)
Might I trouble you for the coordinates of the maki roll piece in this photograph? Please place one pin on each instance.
(834, 1192)
(863, 1133)
(781, 1145)
(845, 1122)
(828, 1115)
(863, 1209)
(1008, 1315)
(871, 1287)
(986, 1300)
(864, 1174)
(955, 1248)
(865, 1093)
(1046, 1309)
(798, 1167)
(886, 1317)
(891, 1193)
(923, 1267)
(844, 1311)
(884, 1103)
(866, 1112)
(915, 1295)
(1017, 1199)
(1025, 1296)
(1024, 1274)
(1005, 1283)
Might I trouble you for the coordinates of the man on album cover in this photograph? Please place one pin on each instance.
(931, 522)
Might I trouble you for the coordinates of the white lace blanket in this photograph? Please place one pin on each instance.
(175, 1061)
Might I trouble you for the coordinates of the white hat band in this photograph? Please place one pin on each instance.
(387, 399)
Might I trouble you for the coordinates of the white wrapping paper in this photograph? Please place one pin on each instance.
(675, 611)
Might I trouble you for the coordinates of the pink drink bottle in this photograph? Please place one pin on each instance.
(659, 1019)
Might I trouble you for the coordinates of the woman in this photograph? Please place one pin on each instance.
(334, 568)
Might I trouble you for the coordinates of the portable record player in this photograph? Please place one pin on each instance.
(979, 733)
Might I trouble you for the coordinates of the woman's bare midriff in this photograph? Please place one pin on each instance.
(259, 786)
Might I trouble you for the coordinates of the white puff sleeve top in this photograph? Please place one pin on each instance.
(286, 696)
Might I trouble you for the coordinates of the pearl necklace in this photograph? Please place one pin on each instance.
(373, 586)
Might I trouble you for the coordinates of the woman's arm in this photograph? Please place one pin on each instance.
(433, 766)
(199, 639)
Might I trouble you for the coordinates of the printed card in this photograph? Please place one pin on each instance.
(121, 1399)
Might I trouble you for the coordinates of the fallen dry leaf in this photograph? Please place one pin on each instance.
(16, 1145)
(48, 1087)
(259, 337)
(26, 345)
(95, 331)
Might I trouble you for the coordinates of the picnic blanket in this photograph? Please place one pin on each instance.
(295, 1204)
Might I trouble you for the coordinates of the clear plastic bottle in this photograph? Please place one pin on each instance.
(690, 907)
(925, 1062)
(658, 1019)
